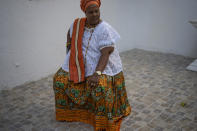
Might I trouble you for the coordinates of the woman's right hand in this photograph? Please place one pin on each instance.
(93, 80)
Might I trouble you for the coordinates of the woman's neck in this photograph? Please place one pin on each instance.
(88, 25)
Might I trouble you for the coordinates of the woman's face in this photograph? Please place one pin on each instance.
(93, 14)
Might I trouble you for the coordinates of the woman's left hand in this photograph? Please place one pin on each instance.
(93, 80)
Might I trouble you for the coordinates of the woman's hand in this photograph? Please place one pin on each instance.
(93, 80)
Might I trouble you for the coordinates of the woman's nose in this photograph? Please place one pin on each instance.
(94, 14)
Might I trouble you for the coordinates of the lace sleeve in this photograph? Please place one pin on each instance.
(108, 36)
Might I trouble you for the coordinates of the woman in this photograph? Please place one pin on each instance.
(90, 86)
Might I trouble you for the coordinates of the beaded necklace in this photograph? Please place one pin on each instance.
(91, 31)
(88, 43)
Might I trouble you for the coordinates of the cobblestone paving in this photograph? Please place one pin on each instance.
(156, 83)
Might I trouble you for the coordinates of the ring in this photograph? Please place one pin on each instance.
(92, 84)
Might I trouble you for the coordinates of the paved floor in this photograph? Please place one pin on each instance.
(156, 83)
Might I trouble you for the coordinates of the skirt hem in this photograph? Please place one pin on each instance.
(98, 122)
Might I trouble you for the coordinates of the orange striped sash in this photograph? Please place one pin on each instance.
(76, 63)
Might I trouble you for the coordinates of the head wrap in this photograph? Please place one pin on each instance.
(85, 3)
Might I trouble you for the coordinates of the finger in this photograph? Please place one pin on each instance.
(93, 84)
(89, 82)
(96, 84)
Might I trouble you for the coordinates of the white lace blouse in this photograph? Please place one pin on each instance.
(103, 36)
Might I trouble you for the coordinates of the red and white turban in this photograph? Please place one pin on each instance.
(85, 3)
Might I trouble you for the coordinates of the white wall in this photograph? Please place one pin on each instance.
(32, 38)
(158, 25)
(33, 33)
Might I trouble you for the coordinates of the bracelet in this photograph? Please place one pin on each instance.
(68, 43)
(98, 73)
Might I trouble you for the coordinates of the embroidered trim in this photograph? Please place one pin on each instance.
(77, 61)
(107, 46)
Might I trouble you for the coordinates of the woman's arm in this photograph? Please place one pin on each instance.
(105, 53)
(68, 41)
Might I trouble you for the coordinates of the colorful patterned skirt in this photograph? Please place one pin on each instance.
(104, 107)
